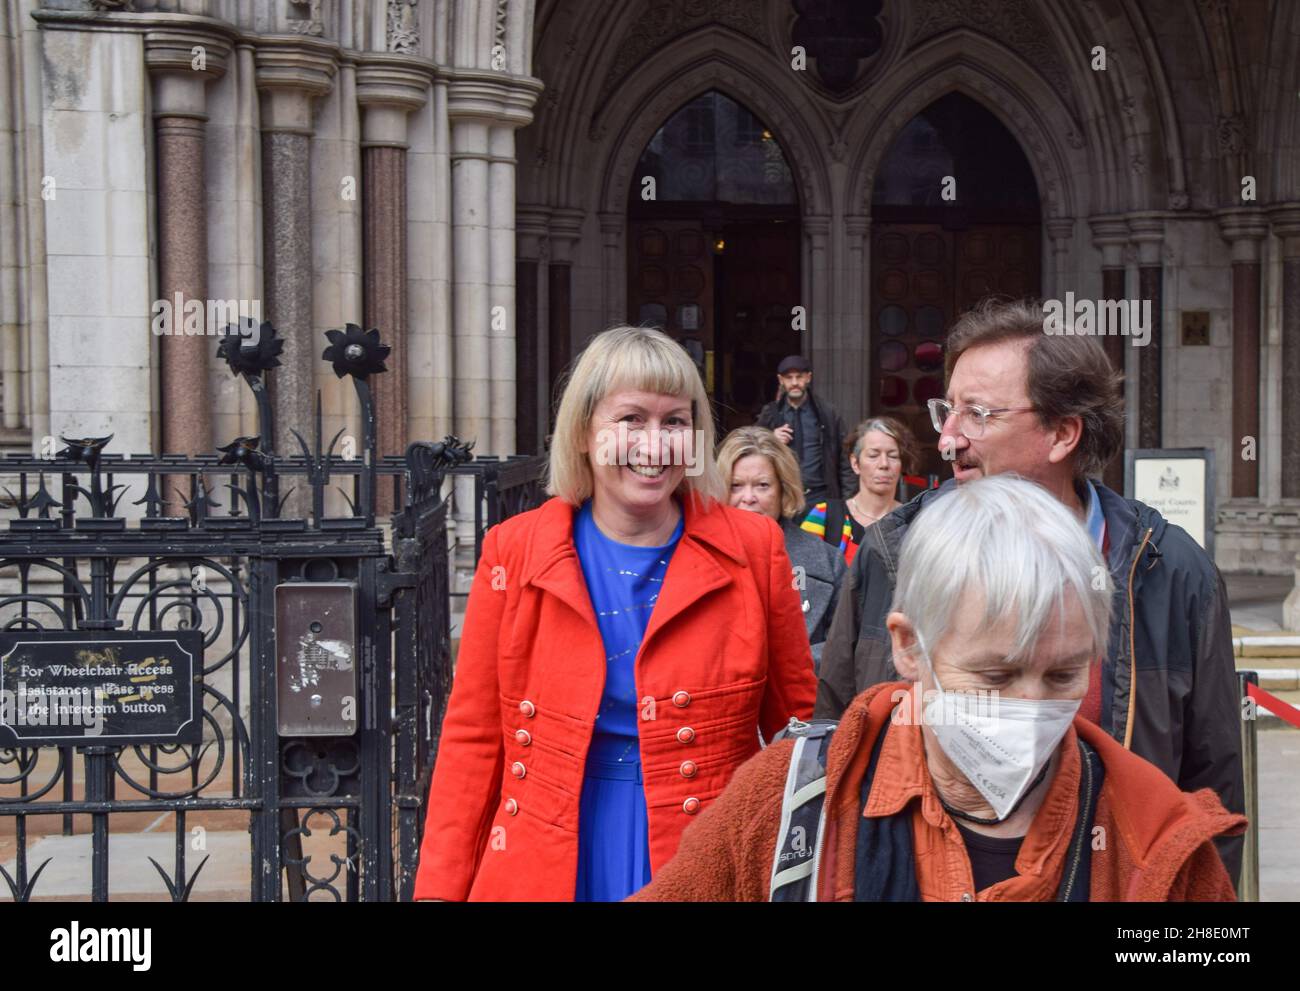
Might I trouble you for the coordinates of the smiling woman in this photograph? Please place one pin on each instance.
(624, 645)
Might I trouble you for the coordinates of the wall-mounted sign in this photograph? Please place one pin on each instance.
(101, 687)
(1179, 484)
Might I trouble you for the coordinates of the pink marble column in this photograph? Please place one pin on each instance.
(388, 88)
(1147, 232)
(1244, 229)
(179, 100)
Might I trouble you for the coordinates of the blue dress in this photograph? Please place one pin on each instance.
(613, 831)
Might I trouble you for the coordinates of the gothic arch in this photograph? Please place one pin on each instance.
(966, 62)
(644, 110)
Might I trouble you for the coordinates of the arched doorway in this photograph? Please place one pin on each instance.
(934, 257)
(713, 249)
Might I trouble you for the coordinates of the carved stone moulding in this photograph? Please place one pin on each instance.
(492, 97)
(186, 50)
(403, 27)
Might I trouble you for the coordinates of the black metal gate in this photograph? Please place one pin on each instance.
(332, 809)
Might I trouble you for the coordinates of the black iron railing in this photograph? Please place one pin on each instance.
(333, 814)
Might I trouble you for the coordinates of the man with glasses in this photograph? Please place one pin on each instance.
(1047, 407)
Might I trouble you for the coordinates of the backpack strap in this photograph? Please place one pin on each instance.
(803, 814)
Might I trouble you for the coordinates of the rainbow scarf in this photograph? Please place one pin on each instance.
(815, 523)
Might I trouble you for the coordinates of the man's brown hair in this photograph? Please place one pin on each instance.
(1068, 375)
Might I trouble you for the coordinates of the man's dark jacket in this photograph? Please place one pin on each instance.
(1169, 685)
(841, 481)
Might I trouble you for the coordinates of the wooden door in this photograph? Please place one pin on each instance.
(758, 287)
(670, 283)
(924, 278)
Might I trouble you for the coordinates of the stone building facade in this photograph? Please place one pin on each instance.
(470, 176)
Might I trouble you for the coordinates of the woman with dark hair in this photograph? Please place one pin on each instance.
(880, 450)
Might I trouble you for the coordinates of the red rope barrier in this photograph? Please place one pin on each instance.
(1283, 710)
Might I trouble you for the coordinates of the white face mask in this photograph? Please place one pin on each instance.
(1000, 744)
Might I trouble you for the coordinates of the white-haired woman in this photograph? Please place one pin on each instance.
(973, 780)
(763, 475)
(623, 644)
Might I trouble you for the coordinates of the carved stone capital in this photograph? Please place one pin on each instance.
(1285, 219)
(816, 226)
(1244, 228)
(1059, 230)
(181, 62)
(186, 51)
(566, 228)
(857, 226)
(532, 224)
(388, 88)
(291, 72)
(492, 97)
(1111, 235)
(1147, 232)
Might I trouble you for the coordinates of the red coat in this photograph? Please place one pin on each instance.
(725, 653)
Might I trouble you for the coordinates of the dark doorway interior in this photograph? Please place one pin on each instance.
(933, 258)
(713, 257)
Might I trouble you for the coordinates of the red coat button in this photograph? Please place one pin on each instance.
(523, 737)
(691, 806)
(512, 807)
(688, 769)
(527, 708)
(681, 699)
(685, 735)
(518, 769)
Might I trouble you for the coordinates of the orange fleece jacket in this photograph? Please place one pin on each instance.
(1157, 840)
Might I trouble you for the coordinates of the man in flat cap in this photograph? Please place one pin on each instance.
(813, 430)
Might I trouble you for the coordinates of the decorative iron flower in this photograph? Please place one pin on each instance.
(243, 451)
(249, 349)
(86, 450)
(356, 352)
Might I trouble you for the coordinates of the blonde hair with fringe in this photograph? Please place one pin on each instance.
(640, 358)
(744, 442)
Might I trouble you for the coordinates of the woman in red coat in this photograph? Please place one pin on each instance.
(623, 646)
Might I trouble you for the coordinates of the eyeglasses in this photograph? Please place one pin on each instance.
(973, 418)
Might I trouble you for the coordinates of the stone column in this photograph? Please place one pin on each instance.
(1060, 232)
(566, 227)
(530, 228)
(1286, 225)
(484, 107)
(388, 87)
(502, 329)
(1244, 228)
(290, 74)
(181, 63)
(614, 265)
(854, 345)
(1110, 234)
(1148, 234)
(816, 344)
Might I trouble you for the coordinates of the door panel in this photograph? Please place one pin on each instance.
(730, 308)
(670, 282)
(924, 277)
(758, 287)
